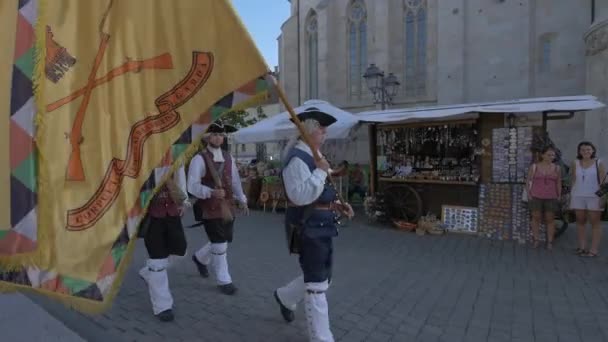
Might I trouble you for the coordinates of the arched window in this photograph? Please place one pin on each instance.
(312, 56)
(415, 19)
(545, 52)
(357, 46)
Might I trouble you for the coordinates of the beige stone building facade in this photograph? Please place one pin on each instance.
(596, 39)
(451, 51)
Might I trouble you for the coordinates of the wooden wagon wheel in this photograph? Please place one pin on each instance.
(403, 203)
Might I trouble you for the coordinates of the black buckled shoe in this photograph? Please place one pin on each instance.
(202, 269)
(228, 289)
(287, 314)
(166, 316)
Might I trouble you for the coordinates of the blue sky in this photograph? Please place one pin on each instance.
(263, 19)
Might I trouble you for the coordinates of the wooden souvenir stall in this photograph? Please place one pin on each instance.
(465, 164)
(468, 173)
(433, 168)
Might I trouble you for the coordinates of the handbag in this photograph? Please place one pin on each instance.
(525, 197)
(602, 191)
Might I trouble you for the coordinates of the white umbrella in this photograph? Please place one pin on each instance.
(279, 127)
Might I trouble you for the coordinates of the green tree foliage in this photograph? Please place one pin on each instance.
(242, 119)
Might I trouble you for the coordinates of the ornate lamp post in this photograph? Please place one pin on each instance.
(384, 88)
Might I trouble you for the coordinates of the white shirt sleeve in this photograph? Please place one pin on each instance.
(196, 172)
(179, 177)
(237, 186)
(302, 186)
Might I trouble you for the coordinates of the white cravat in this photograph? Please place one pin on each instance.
(218, 156)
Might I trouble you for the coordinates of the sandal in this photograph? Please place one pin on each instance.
(589, 255)
(580, 251)
(535, 244)
(549, 246)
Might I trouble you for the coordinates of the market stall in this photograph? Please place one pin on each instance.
(464, 165)
(264, 187)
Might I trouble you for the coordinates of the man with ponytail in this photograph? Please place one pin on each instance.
(310, 223)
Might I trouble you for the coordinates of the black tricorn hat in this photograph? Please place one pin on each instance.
(316, 114)
(219, 127)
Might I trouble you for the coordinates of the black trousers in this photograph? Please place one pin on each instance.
(165, 237)
(219, 231)
(316, 258)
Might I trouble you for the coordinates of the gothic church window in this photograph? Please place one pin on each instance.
(415, 19)
(544, 55)
(357, 46)
(312, 56)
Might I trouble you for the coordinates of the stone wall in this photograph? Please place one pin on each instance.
(477, 50)
(596, 39)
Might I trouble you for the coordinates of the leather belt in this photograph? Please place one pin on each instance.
(330, 206)
(327, 206)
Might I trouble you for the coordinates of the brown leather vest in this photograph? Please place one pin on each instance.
(162, 205)
(211, 206)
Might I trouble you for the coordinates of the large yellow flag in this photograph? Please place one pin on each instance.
(123, 82)
(7, 41)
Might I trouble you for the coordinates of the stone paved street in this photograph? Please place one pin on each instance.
(26, 322)
(388, 286)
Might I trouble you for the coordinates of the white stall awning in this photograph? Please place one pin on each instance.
(279, 127)
(469, 111)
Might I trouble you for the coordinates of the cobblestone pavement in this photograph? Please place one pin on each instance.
(26, 322)
(387, 286)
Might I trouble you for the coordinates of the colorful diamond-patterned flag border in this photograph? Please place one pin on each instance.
(22, 236)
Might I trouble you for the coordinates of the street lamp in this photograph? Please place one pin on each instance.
(383, 87)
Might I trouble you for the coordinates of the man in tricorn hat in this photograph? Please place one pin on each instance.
(214, 179)
(310, 222)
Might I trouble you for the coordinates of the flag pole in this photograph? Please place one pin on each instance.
(303, 134)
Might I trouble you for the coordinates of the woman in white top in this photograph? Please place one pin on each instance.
(587, 174)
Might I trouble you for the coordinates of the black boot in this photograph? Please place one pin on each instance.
(287, 314)
(202, 269)
(166, 316)
(228, 289)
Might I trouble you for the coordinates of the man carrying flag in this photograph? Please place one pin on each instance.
(310, 222)
(163, 235)
(214, 179)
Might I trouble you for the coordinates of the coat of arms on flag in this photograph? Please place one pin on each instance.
(106, 99)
